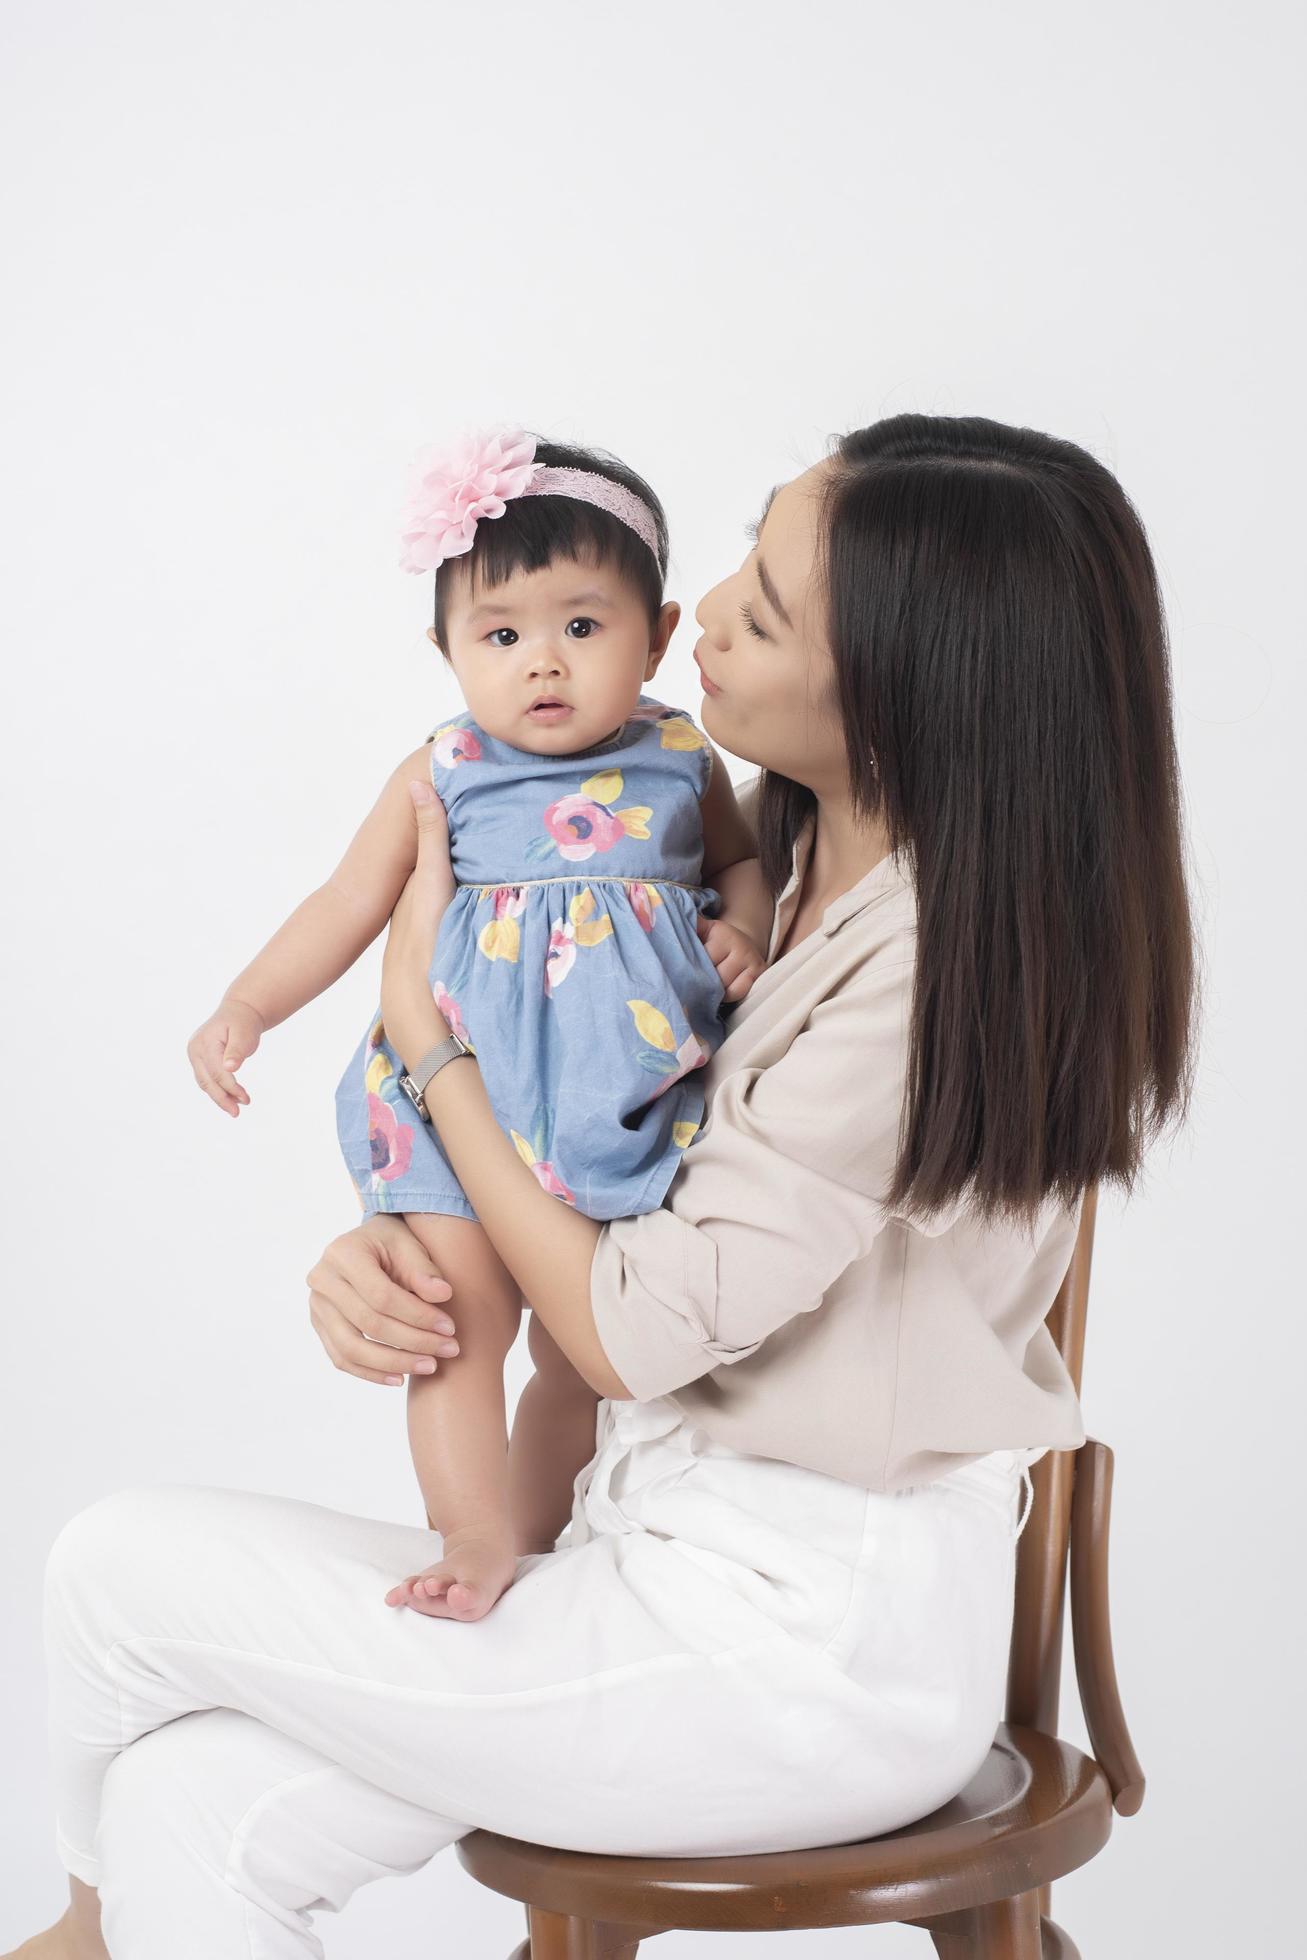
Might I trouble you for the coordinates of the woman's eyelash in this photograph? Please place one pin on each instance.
(751, 623)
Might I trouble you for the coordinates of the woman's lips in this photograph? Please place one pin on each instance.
(709, 686)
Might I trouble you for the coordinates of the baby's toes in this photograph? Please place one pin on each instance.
(402, 1594)
(466, 1585)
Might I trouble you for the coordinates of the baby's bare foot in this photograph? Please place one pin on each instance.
(478, 1565)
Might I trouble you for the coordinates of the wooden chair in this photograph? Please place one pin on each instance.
(976, 1874)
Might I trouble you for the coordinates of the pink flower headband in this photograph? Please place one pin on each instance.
(453, 489)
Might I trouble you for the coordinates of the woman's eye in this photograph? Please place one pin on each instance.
(586, 625)
(751, 623)
(494, 639)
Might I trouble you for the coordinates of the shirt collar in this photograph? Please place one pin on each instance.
(885, 876)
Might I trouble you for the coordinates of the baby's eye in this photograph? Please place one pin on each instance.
(587, 626)
(495, 641)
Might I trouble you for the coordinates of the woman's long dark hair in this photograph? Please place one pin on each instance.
(1000, 645)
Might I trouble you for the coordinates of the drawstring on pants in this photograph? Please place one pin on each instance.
(1028, 1501)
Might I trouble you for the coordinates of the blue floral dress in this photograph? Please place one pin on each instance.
(568, 959)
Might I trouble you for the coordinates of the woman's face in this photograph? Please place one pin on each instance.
(765, 648)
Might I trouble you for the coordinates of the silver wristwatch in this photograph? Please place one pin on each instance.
(414, 1084)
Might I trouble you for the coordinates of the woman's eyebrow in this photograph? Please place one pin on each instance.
(755, 530)
(769, 592)
(771, 595)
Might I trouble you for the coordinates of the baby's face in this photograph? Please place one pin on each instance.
(574, 633)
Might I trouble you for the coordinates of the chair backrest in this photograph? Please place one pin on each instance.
(1035, 1663)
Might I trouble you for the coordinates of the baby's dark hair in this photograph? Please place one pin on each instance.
(535, 531)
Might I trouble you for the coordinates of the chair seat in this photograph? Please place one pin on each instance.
(1037, 1808)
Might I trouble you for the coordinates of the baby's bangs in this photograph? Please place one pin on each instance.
(536, 532)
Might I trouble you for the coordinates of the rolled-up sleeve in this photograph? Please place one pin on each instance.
(776, 1197)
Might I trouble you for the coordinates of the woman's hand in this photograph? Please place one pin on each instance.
(372, 1302)
(412, 1021)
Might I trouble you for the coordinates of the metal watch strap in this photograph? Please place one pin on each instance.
(415, 1081)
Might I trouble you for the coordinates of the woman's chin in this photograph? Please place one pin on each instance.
(719, 729)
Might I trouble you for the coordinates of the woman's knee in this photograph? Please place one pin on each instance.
(230, 1809)
(119, 1532)
(173, 1809)
(102, 1531)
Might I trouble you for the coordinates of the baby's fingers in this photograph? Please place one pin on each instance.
(208, 1051)
(223, 1097)
(226, 1081)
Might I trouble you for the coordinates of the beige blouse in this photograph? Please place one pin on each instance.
(772, 1298)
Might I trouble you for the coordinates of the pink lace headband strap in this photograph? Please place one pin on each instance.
(454, 488)
(588, 487)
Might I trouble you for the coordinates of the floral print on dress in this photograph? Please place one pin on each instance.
(536, 1155)
(570, 958)
(452, 744)
(581, 825)
(582, 928)
(662, 1055)
(390, 1141)
(643, 899)
(449, 1008)
(500, 938)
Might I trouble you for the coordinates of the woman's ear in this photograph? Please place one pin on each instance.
(669, 618)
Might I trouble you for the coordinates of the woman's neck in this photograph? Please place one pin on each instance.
(844, 849)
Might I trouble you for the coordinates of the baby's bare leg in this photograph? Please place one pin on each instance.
(553, 1438)
(457, 1425)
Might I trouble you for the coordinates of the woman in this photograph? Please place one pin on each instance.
(780, 1616)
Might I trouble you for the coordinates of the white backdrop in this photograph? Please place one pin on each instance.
(256, 253)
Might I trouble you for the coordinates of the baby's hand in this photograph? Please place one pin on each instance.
(218, 1048)
(733, 953)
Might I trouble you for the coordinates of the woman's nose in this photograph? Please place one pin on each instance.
(713, 614)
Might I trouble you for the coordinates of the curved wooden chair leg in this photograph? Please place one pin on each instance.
(556, 1936)
(952, 1941)
(1009, 1929)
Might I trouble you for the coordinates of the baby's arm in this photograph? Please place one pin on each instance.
(730, 862)
(320, 940)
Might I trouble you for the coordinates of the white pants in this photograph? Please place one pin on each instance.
(725, 1654)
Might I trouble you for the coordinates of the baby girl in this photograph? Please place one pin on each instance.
(604, 908)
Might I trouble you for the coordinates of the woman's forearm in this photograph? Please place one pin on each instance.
(747, 903)
(547, 1246)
